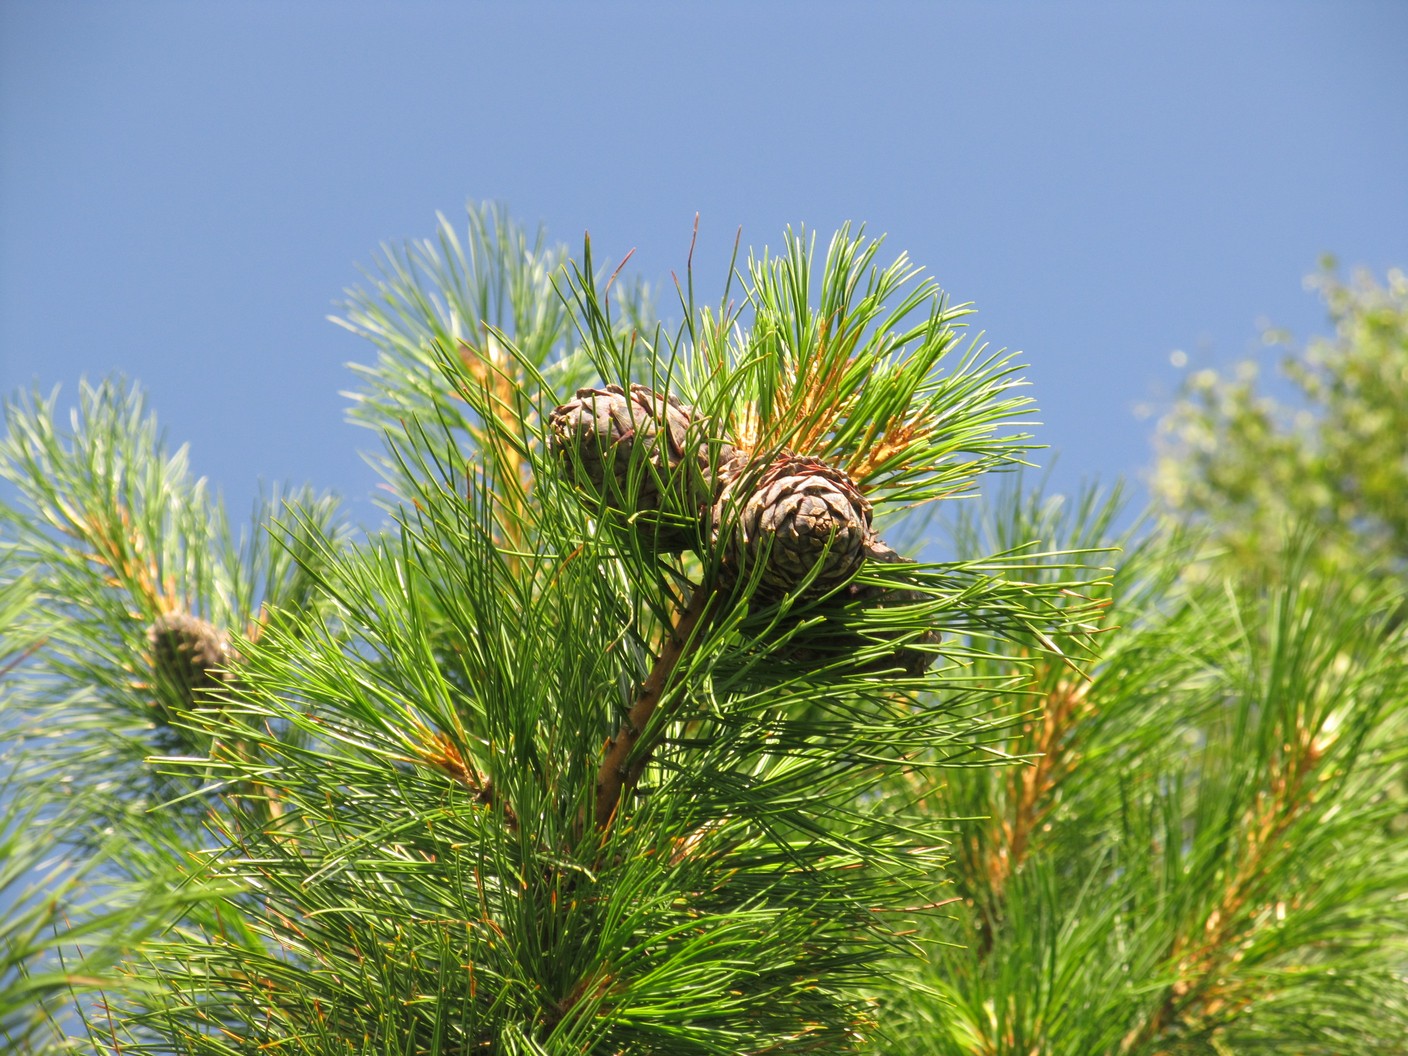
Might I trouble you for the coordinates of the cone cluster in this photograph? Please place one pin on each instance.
(794, 526)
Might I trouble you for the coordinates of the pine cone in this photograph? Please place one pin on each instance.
(190, 656)
(802, 516)
(596, 433)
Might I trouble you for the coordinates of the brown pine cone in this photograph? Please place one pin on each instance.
(190, 656)
(801, 516)
(596, 433)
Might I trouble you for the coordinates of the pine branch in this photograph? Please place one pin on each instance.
(456, 862)
(1305, 751)
(1045, 743)
(1200, 960)
(628, 753)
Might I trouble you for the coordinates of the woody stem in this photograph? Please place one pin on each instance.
(629, 751)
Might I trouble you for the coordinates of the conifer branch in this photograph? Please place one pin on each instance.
(1031, 791)
(629, 751)
(1199, 961)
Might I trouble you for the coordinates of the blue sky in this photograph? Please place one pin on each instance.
(186, 188)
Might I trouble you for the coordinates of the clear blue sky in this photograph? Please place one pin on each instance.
(186, 188)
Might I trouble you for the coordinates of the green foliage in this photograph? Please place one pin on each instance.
(481, 306)
(1336, 457)
(1191, 853)
(402, 783)
(65, 921)
(112, 532)
(502, 776)
(68, 919)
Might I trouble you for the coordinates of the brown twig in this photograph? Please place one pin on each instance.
(594, 985)
(1031, 788)
(23, 655)
(628, 752)
(441, 753)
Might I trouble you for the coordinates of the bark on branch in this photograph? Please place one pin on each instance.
(629, 751)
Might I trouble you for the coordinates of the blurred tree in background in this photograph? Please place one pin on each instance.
(1331, 458)
(630, 733)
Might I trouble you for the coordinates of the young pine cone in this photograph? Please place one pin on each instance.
(189, 656)
(802, 517)
(596, 434)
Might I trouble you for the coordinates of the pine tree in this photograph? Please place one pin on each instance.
(647, 724)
